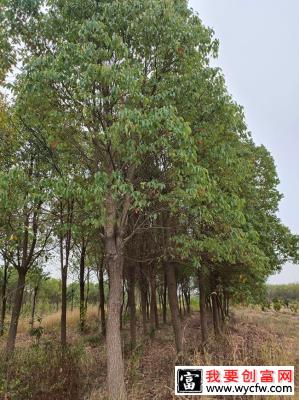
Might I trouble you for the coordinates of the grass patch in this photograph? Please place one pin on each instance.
(42, 372)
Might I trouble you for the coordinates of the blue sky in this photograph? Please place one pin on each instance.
(259, 55)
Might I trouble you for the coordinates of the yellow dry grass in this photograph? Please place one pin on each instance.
(51, 322)
(252, 337)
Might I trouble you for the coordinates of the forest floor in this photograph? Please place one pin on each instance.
(251, 337)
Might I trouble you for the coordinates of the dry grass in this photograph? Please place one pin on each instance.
(51, 322)
(252, 337)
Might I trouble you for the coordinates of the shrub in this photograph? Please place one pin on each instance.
(94, 340)
(294, 307)
(41, 372)
(265, 305)
(36, 332)
(277, 304)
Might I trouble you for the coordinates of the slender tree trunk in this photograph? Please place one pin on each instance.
(82, 287)
(155, 305)
(63, 305)
(65, 249)
(164, 299)
(220, 309)
(143, 296)
(87, 290)
(102, 300)
(132, 304)
(33, 305)
(3, 297)
(215, 311)
(154, 319)
(184, 307)
(180, 302)
(147, 305)
(12, 334)
(174, 305)
(226, 303)
(186, 293)
(202, 308)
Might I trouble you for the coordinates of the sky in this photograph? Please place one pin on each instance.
(259, 56)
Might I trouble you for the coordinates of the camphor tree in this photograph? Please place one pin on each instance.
(143, 146)
(23, 221)
(103, 89)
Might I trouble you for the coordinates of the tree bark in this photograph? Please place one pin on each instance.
(63, 305)
(202, 308)
(220, 309)
(226, 303)
(115, 364)
(186, 293)
(65, 249)
(154, 319)
(174, 305)
(102, 300)
(33, 305)
(164, 299)
(114, 261)
(132, 304)
(143, 296)
(180, 302)
(11, 340)
(215, 311)
(3, 297)
(82, 287)
(184, 305)
(122, 307)
(87, 290)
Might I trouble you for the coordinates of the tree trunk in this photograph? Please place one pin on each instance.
(12, 334)
(122, 307)
(63, 305)
(3, 298)
(82, 287)
(220, 309)
(114, 254)
(102, 300)
(154, 320)
(202, 308)
(184, 306)
(132, 304)
(174, 305)
(215, 311)
(33, 305)
(226, 303)
(65, 249)
(164, 299)
(143, 296)
(147, 305)
(180, 302)
(186, 293)
(87, 290)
